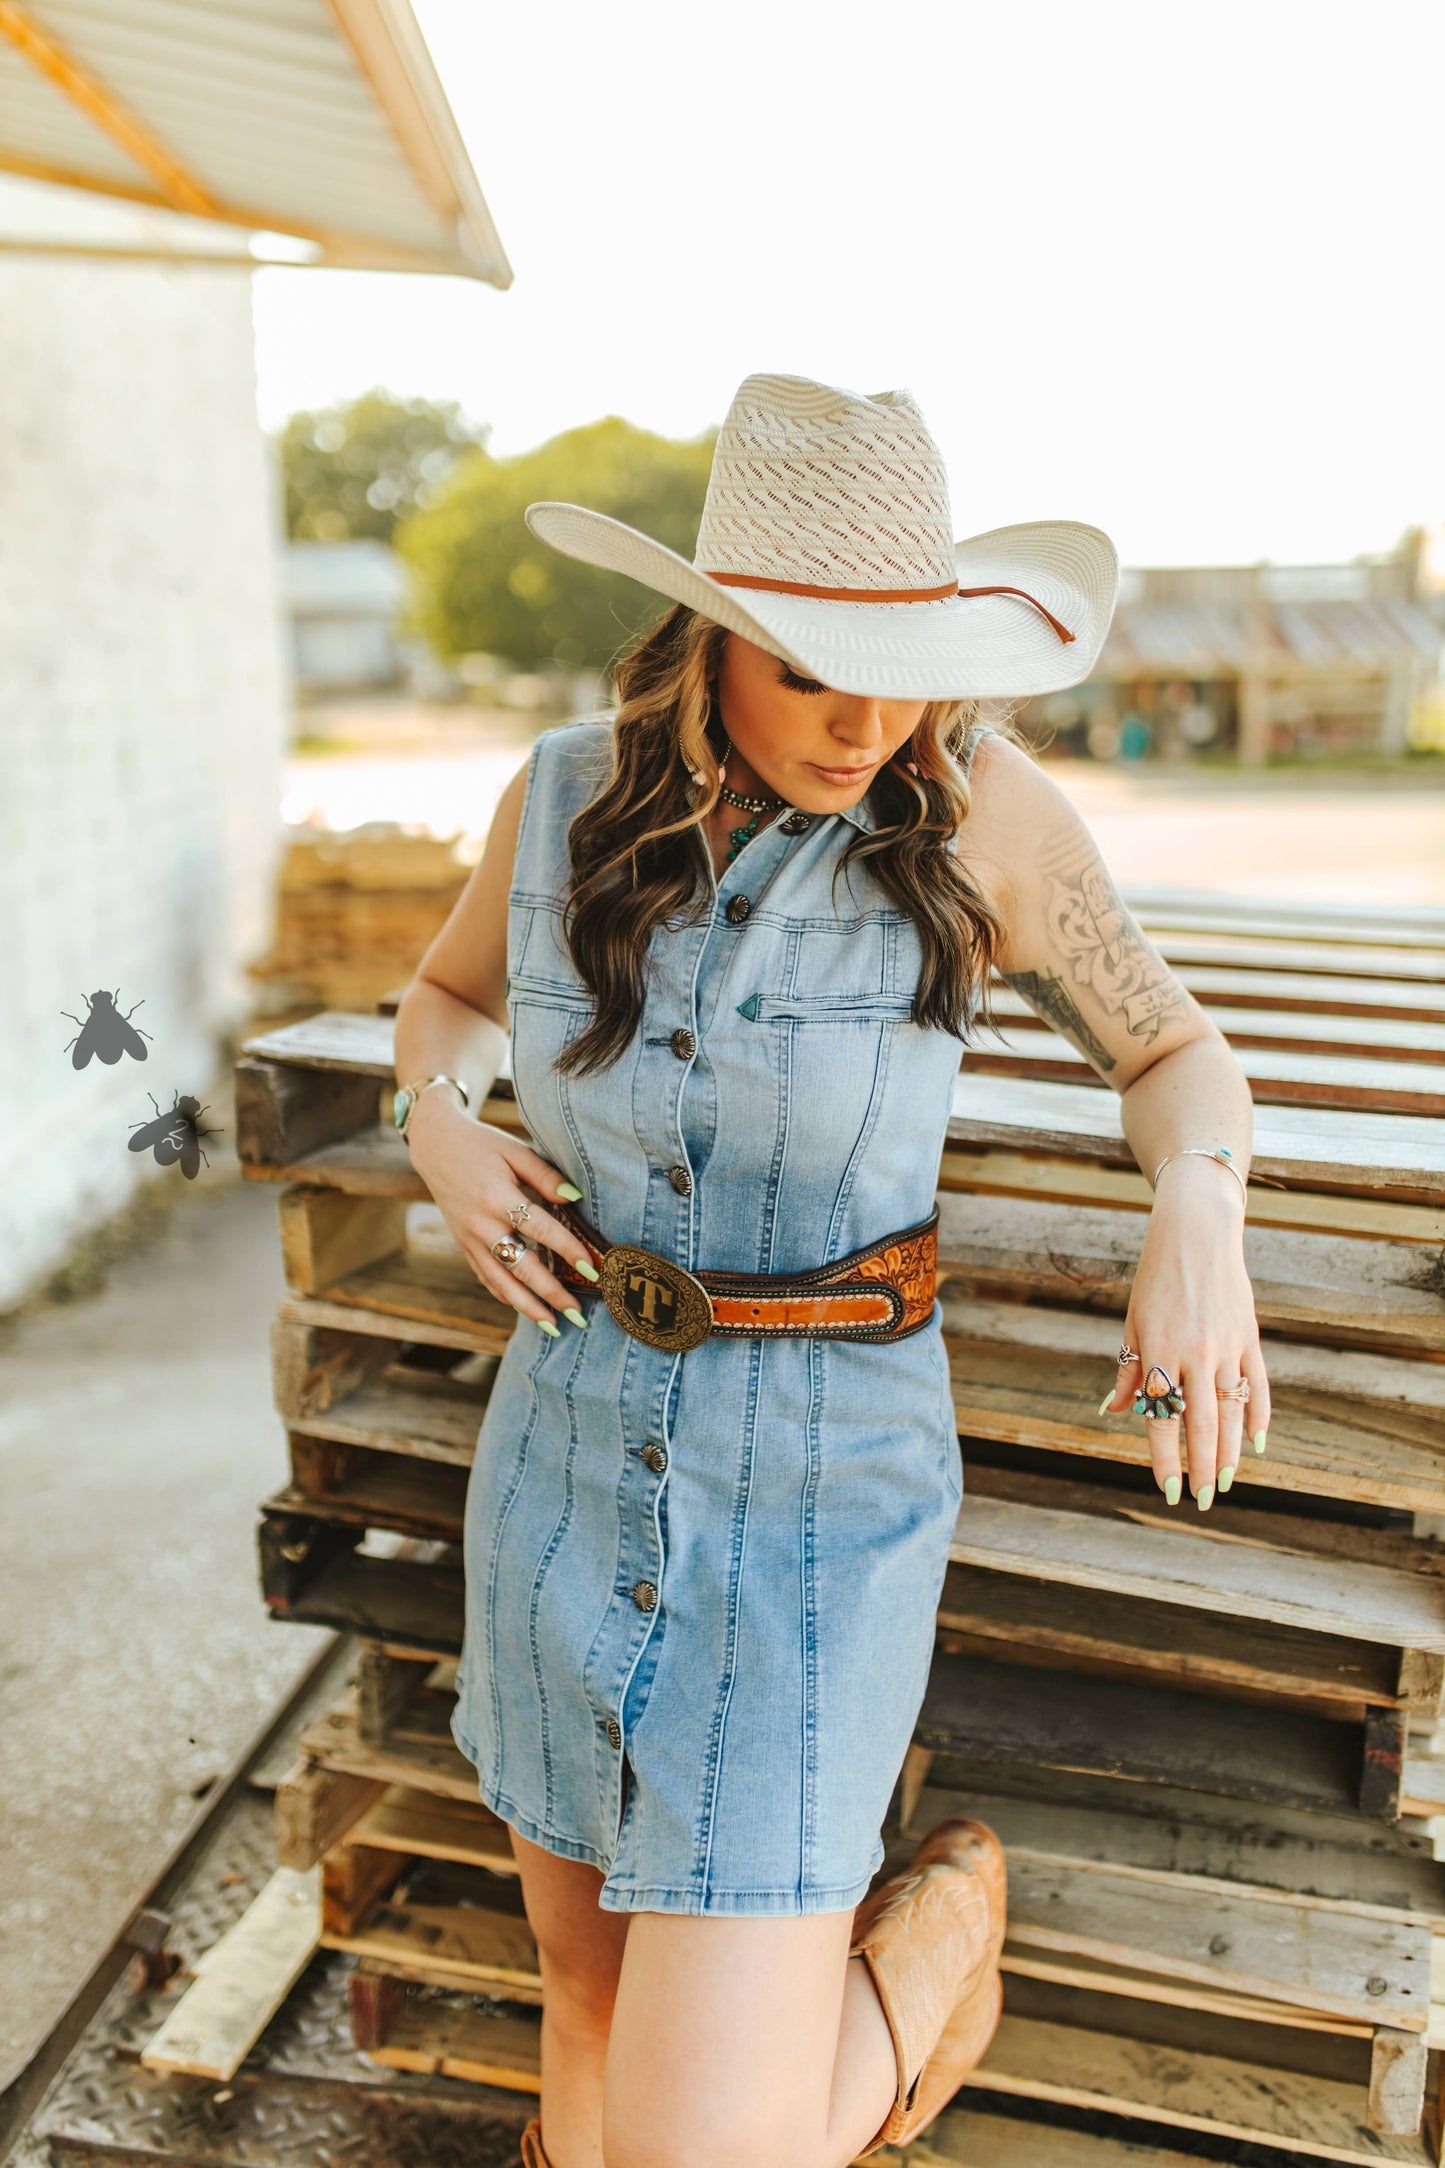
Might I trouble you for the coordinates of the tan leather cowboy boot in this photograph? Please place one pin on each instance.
(532, 2154)
(931, 1939)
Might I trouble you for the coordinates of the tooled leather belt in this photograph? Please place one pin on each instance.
(883, 1291)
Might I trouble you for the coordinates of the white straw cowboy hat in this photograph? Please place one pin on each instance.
(827, 539)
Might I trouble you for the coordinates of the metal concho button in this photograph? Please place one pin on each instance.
(614, 1732)
(683, 1043)
(739, 907)
(655, 1457)
(796, 823)
(680, 1179)
(644, 1595)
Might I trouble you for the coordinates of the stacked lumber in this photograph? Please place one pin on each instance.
(1211, 1743)
(356, 910)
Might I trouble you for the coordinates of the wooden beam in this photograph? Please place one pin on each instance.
(179, 188)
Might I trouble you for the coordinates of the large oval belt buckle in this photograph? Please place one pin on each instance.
(655, 1300)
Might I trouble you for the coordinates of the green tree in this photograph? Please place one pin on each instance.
(481, 580)
(358, 467)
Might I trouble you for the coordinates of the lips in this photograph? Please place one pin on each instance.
(841, 775)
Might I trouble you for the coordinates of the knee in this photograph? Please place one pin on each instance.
(578, 1996)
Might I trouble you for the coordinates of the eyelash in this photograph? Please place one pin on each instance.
(796, 684)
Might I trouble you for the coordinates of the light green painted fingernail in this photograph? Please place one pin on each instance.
(570, 1191)
(585, 1266)
(1226, 1477)
(1257, 1441)
(548, 1326)
(576, 1316)
(1206, 1498)
(1173, 1484)
(1106, 1403)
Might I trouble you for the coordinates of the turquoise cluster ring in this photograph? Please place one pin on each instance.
(1159, 1397)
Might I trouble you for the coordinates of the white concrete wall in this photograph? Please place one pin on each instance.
(144, 687)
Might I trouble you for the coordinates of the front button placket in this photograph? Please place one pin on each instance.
(671, 1046)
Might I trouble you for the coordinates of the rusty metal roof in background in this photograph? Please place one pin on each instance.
(1207, 639)
(323, 119)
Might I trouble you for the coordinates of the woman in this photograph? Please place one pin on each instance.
(742, 929)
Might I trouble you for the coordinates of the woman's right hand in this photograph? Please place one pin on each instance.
(475, 1173)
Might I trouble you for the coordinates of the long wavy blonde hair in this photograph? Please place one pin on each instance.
(640, 858)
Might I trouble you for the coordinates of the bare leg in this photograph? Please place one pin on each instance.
(706, 2040)
(580, 1948)
(750, 2039)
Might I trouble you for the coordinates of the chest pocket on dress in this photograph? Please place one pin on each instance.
(838, 1010)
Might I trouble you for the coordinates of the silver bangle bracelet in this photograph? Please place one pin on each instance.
(1219, 1152)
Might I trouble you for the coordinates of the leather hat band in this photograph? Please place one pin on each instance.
(877, 594)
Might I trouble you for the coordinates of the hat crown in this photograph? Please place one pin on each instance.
(826, 487)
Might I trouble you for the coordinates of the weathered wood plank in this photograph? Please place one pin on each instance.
(998, 1713)
(1366, 1154)
(1315, 993)
(1225, 1840)
(428, 1764)
(1372, 1154)
(386, 1490)
(1414, 925)
(476, 1949)
(315, 1806)
(1370, 1452)
(1289, 1078)
(1383, 1295)
(1082, 1550)
(1330, 958)
(1188, 2088)
(1364, 1039)
(423, 1826)
(1124, 1635)
(1397, 2082)
(284, 1112)
(1364, 1962)
(970, 2137)
(242, 1981)
(446, 2039)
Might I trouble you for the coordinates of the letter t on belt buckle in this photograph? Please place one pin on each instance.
(654, 1299)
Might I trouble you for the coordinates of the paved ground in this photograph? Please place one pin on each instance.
(136, 1429)
(137, 1437)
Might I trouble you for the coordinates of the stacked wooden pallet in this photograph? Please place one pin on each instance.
(355, 909)
(1209, 1742)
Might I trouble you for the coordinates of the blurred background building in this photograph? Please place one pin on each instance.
(1261, 662)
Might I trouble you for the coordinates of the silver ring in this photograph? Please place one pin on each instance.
(518, 1213)
(1127, 1354)
(1238, 1391)
(508, 1250)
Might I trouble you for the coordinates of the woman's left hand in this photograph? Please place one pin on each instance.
(1191, 1313)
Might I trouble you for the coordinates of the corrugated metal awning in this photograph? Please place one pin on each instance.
(321, 119)
(1208, 640)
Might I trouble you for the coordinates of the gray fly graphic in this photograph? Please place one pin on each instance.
(106, 1032)
(175, 1135)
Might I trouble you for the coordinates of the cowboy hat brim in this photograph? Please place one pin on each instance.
(963, 647)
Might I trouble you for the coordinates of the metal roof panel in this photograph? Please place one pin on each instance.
(320, 118)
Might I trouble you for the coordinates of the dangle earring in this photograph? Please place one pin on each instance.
(737, 837)
(697, 774)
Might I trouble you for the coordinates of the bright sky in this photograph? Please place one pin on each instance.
(1173, 269)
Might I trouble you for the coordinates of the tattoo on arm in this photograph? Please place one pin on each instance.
(1057, 1006)
(1105, 952)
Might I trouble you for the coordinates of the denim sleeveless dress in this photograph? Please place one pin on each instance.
(723, 1565)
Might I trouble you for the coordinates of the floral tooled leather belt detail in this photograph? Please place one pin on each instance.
(882, 1292)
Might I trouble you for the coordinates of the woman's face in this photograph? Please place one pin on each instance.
(799, 740)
